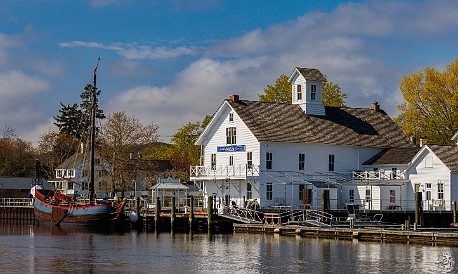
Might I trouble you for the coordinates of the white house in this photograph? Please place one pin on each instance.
(76, 168)
(285, 154)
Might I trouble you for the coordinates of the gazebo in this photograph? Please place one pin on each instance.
(168, 188)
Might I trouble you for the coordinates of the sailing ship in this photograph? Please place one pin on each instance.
(53, 207)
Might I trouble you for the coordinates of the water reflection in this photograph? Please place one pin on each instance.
(50, 249)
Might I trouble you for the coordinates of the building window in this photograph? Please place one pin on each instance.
(351, 196)
(231, 160)
(299, 92)
(313, 92)
(70, 185)
(394, 173)
(268, 160)
(71, 173)
(301, 161)
(392, 196)
(440, 191)
(428, 195)
(301, 192)
(249, 159)
(249, 192)
(368, 195)
(269, 191)
(428, 185)
(213, 163)
(230, 136)
(331, 162)
(231, 117)
(59, 173)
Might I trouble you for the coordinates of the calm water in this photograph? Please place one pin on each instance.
(27, 249)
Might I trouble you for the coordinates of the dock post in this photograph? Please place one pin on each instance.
(157, 213)
(454, 211)
(418, 208)
(191, 212)
(172, 214)
(210, 213)
(325, 203)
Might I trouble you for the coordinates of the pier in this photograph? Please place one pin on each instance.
(447, 237)
(16, 210)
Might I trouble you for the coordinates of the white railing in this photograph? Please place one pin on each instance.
(379, 175)
(237, 171)
(16, 202)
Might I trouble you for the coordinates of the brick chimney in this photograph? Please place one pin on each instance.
(375, 106)
(234, 98)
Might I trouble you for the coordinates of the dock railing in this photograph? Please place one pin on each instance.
(16, 202)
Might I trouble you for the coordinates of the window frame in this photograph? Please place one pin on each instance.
(231, 135)
(269, 160)
(299, 92)
(313, 92)
(440, 191)
(269, 191)
(249, 191)
(331, 162)
(249, 159)
(301, 161)
(213, 161)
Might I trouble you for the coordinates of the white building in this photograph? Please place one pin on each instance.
(72, 176)
(285, 154)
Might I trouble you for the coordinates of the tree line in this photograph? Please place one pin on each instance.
(429, 111)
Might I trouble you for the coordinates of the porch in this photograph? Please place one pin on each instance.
(223, 172)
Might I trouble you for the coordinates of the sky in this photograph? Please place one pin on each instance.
(173, 62)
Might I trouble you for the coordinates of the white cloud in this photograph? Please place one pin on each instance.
(350, 45)
(137, 51)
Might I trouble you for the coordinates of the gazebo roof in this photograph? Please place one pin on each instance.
(170, 184)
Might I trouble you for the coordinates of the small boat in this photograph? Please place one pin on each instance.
(53, 207)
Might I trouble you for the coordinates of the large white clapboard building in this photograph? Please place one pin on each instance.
(284, 155)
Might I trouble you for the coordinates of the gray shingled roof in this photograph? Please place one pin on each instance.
(312, 74)
(274, 122)
(20, 183)
(448, 155)
(73, 161)
(395, 156)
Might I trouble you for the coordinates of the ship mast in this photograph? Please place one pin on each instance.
(93, 115)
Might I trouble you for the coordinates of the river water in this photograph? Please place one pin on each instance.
(34, 249)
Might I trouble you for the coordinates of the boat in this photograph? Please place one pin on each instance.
(55, 208)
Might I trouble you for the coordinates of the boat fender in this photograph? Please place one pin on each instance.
(133, 217)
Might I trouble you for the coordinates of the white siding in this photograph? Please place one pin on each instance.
(217, 137)
(427, 168)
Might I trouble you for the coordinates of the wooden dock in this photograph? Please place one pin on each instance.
(426, 236)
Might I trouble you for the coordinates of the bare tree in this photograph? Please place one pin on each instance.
(121, 143)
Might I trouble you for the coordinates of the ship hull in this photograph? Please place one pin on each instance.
(98, 214)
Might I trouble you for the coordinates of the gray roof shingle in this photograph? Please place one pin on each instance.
(274, 122)
(394, 156)
(448, 155)
(312, 74)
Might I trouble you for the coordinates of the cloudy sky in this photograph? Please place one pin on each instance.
(174, 61)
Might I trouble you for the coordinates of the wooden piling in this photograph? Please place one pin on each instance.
(191, 212)
(418, 209)
(325, 203)
(210, 213)
(157, 212)
(172, 213)
(454, 211)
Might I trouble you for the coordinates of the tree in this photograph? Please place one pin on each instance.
(122, 142)
(430, 104)
(75, 119)
(333, 95)
(16, 158)
(278, 93)
(54, 148)
(281, 93)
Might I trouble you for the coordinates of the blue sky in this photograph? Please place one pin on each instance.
(173, 62)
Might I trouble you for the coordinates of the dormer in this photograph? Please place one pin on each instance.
(307, 89)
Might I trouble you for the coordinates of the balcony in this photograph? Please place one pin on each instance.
(378, 175)
(223, 172)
